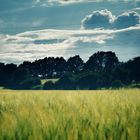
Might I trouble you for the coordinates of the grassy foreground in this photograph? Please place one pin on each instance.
(70, 115)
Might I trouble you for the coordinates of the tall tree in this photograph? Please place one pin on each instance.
(60, 66)
(6, 72)
(134, 67)
(102, 61)
(75, 64)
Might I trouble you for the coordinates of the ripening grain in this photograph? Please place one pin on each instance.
(70, 115)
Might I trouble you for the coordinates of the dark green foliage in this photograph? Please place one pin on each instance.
(66, 83)
(75, 64)
(98, 72)
(6, 72)
(28, 84)
(134, 67)
(102, 61)
(89, 81)
(21, 74)
(60, 66)
(92, 80)
(49, 85)
(22, 79)
(121, 74)
(37, 87)
(117, 84)
(18, 77)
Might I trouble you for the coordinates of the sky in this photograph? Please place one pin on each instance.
(34, 29)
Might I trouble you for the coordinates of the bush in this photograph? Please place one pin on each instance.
(49, 86)
(66, 83)
(38, 87)
(19, 76)
(29, 83)
(89, 81)
(121, 74)
(117, 84)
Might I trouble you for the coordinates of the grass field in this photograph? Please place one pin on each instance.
(70, 115)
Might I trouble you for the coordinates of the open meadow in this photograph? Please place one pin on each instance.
(70, 115)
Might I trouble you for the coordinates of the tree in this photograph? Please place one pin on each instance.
(89, 81)
(60, 66)
(18, 77)
(27, 65)
(110, 61)
(2, 65)
(134, 67)
(75, 64)
(102, 61)
(49, 67)
(6, 72)
(38, 69)
(122, 74)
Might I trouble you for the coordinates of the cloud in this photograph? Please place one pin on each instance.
(77, 1)
(67, 1)
(25, 15)
(126, 20)
(38, 44)
(105, 19)
(29, 3)
(98, 19)
(25, 4)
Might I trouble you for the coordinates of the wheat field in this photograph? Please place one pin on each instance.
(70, 115)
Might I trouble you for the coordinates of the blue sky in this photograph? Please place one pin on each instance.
(100, 24)
(23, 15)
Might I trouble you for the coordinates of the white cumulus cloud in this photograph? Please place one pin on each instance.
(127, 19)
(98, 19)
(105, 19)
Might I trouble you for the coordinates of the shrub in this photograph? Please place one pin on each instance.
(88, 81)
(38, 87)
(49, 86)
(66, 83)
(117, 84)
(29, 83)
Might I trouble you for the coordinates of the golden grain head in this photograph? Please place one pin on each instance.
(70, 115)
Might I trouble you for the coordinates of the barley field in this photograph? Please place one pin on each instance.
(70, 115)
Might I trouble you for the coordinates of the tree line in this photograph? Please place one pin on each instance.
(101, 70)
